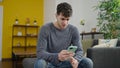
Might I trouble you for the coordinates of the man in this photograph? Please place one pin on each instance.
(54, 40)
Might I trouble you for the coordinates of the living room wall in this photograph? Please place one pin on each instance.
(82, 9)
(33, 9)
(20, 9)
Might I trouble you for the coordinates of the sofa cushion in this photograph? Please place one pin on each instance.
(95, 42)
(106, 43)
(101, 46)
(28, 62)
(118, 43)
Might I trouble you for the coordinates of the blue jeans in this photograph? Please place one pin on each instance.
(85, 63)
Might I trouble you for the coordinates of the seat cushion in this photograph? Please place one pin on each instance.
(28, 62)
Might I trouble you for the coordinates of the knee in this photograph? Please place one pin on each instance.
(40, 64)
(87, 62)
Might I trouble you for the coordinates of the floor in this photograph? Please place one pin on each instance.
(8, 64)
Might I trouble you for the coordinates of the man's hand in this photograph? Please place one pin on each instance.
(74, 62)
(64, 55)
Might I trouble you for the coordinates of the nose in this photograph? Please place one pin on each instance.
(65, 21)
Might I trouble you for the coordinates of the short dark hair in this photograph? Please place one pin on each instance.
(65, 9)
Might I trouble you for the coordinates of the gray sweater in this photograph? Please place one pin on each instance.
(52, 40)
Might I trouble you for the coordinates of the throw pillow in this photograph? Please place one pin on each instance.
(101, 46)
(106, 43)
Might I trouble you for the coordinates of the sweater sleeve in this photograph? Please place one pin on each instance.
(42, 46)
(77, 42)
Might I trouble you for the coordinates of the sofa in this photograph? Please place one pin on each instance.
(105, 57)
(101, 57)
(29, 62)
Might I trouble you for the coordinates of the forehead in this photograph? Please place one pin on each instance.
(62, 16)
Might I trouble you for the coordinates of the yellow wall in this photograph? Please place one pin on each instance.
(20, 9)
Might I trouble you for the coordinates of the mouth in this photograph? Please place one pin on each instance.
(63, 25)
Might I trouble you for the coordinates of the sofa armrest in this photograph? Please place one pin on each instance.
(105, 57)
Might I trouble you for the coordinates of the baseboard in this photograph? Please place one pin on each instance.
(6, 59)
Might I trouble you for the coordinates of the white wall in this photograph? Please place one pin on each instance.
(1, 20)
(0, 0)
(82, 9)
(49, 11)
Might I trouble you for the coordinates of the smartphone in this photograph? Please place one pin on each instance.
(72, 48)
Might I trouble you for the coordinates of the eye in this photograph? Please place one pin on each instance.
(62, 19)
(67, 19)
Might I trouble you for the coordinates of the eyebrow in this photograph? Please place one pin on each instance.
(64, 19)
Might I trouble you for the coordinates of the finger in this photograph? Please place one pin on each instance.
(72, 54)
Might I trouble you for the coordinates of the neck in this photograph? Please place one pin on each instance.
(56, 25)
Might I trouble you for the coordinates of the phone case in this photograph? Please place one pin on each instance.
(72, 48)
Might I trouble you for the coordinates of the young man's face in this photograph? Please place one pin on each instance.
(62, 21)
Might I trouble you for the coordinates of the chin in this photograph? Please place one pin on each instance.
(63, 27)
